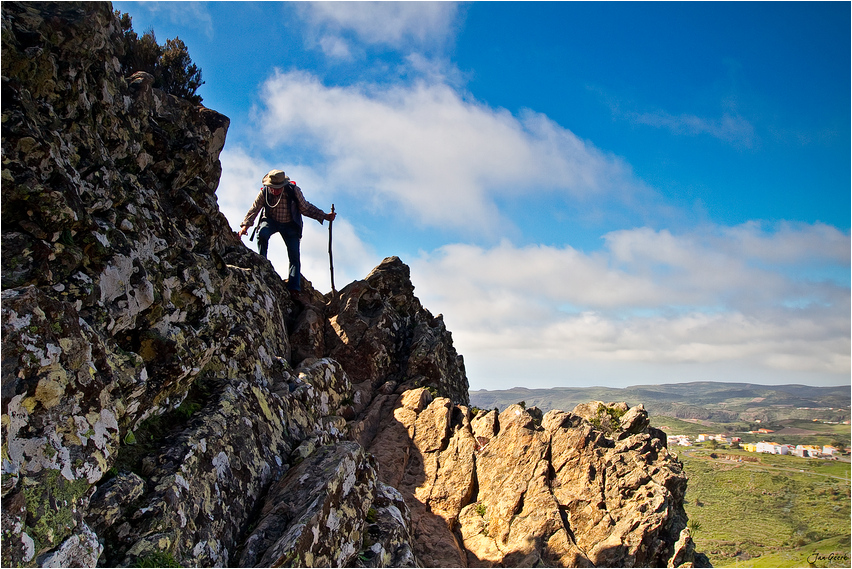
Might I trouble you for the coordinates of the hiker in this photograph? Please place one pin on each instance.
(282, 204)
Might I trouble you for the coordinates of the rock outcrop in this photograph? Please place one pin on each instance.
(165, 402)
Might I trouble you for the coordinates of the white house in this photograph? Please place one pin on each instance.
(808, 451)
(772, 448)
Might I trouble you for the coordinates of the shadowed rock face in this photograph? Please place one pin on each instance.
(164, 400)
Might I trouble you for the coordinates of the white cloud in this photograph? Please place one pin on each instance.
(335, 47)
(353, 258)
(403, 26)
(792, 243)
(650, 298)
(439, 156)
(239, 183)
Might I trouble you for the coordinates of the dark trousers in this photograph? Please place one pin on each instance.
(291, 233)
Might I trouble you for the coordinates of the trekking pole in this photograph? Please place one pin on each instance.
(330, 257)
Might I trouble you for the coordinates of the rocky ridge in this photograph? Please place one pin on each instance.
(165, 402)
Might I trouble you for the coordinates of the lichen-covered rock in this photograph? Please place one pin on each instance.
(206, 481)
(380, 332)
(113, 499)
(387, 538)
(123, 285)
(316, 514)
(82, 549)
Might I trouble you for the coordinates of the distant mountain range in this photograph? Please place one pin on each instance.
(707, 400)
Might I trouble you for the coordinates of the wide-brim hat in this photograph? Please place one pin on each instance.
(276, 179)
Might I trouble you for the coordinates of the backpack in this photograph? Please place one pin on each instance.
(295, 213)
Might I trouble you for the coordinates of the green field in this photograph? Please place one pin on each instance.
(757, 510)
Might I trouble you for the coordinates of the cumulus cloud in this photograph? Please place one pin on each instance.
(767, 300)
(353, 257)
(649, 297)
(441, 157)
(339, 27)
(790, 243)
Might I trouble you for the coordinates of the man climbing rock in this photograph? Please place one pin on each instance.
(283, 205)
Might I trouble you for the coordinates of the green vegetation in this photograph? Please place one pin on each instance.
(157, 559)
(372, 515)
(827, 553)
(757, 510)
(51, 506)
(789, 431)
(694, 527)
(188, 408)
(608, 419)
(146, 439)
(169, 64)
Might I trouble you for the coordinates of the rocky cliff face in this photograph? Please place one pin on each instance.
(165, 402)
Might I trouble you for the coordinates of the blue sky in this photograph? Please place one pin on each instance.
(590, 193)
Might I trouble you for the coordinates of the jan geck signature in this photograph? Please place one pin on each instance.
(821, 559)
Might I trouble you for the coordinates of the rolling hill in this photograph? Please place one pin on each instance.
(718, 402)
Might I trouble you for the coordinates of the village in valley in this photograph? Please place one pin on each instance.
(803, 451)
(829, 452)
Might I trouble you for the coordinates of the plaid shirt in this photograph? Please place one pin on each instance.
(281, 210)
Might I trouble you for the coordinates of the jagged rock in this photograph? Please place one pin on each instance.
(684, 550)
(315, 516)
(634, 421)
(165, 401)
(308, 334)
(605, 417)
(527, 490)
(387, 537)
(380, 332)
(484, 427)
(206, 483)
(113, 499)
(82, 549)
